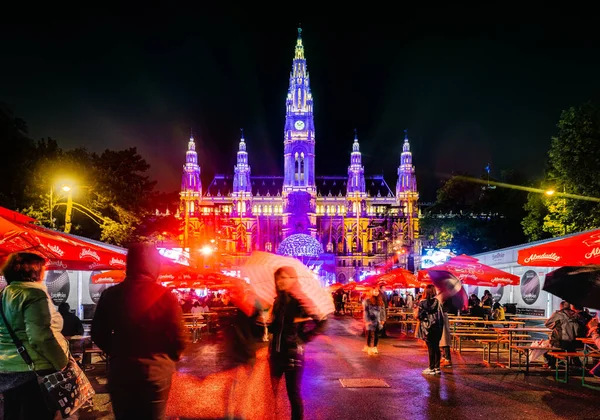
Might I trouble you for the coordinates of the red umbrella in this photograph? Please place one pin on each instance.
(18, 234)
(398, 278)
(470, 271)
(177, 275)
(577, 250)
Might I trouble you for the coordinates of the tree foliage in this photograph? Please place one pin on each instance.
(470, 216)
(573, 161)
(112, 195)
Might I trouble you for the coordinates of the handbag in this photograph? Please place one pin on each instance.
(65, 391)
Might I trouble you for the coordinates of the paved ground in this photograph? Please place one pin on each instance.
(469, 390)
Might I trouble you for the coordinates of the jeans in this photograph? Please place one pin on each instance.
(372, 338)
(291, 365)
(433, 348)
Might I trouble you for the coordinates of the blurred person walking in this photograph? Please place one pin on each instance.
(373, 317)
(138, 323)
(286, 351)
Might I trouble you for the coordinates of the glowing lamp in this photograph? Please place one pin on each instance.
(550, 192)
(206, 250)
(66, 188)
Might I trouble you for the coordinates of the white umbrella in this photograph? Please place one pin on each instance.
(260, 269)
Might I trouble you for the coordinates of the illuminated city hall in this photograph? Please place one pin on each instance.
(345, 225)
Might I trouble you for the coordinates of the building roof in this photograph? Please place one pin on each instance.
(336, 186)
(222, 185)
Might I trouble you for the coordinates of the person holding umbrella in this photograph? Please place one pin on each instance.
(286, 352)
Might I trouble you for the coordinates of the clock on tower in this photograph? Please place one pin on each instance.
(299, 125)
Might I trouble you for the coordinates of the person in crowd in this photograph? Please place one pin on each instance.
(498, 313)
(373, 310)
(138, 323)
(584, 319)
(473, 300)
(429, 313)
(30, 313)
(385, 299)
(409, 301)
(565, 325)
(286, 351)
(72, 325)
(594, 333)
(448, 308)
(344, 300)
(187, 305)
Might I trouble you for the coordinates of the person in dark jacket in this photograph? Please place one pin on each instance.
(72, 325)
(429, 312)
(286, 352)
(565, 325)
(138, 323)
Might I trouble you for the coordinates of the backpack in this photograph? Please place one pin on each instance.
(430, 319)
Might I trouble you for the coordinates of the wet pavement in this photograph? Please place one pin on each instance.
(470, 389)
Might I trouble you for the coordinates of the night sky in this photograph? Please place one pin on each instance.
(470, 88)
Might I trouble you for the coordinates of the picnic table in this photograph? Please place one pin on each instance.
(517, 330)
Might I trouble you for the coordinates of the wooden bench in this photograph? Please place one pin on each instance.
(88, 353)
(526, 351)
(457, 338)
(564, 357)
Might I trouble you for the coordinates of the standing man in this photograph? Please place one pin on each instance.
(138, 323)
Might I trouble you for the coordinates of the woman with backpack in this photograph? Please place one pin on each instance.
(431, 323)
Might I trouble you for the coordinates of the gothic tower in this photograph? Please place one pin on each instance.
(191, 187)
(299, 132)
(299, 186)
(356, 172)
(407, 197)
(406, 185)
(241, 177)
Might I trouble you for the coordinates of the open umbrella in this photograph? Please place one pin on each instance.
(577, 285)
(18, 234)
(449, 288)
(470, 271)
(576, 250)
(260, 269)
(398, 278)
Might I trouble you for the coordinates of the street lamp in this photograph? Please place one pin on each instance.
(69, 211)
(549, 192)
(66, 188)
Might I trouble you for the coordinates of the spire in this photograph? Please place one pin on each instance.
(407, 182)
(299, 47)
(241, 177)
(191, 186)
(356, 172)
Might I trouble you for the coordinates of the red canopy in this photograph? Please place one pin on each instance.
(576, 250)
(398, 278)
(18, 234)
(470, 271)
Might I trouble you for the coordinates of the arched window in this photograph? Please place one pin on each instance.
(296, 168)
(302, 167)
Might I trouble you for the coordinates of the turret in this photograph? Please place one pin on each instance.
(406, 185)
(356, 172)
(241, 177)
(191, 186)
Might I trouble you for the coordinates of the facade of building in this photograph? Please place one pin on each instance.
(348, 223)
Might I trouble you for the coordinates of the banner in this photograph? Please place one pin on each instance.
(96, 289)
(58, 285)
(530, 287)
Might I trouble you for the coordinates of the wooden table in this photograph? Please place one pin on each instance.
(510, 332)
(590, 350)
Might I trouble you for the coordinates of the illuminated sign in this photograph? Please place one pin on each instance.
(434, 256)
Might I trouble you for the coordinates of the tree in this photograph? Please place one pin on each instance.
(573, 160)
(470, 216)
(16, 149)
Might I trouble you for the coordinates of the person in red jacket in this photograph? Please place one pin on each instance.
(138, 323)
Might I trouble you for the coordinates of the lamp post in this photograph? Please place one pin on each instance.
(69, 211)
